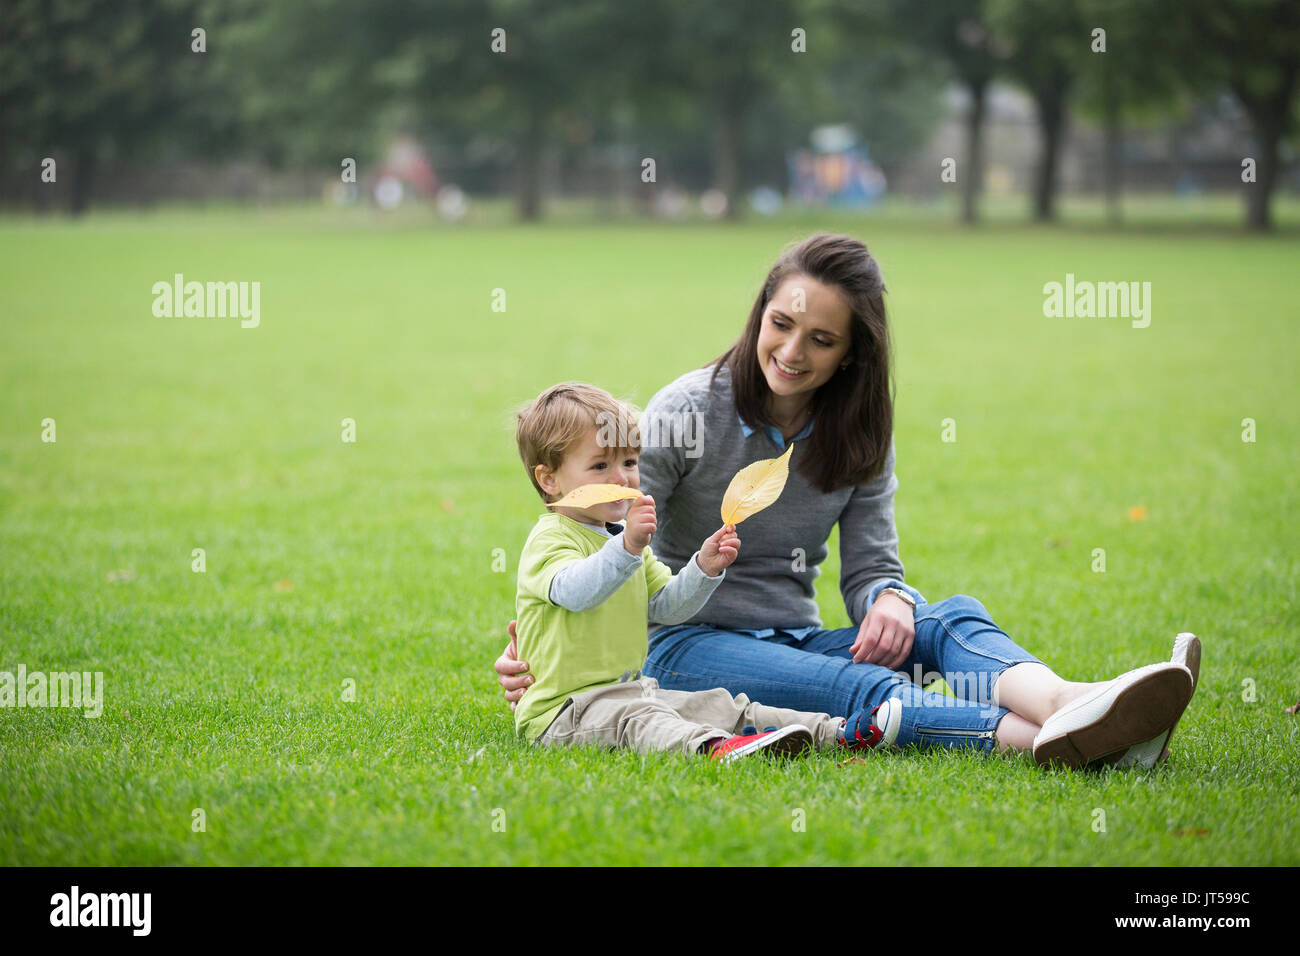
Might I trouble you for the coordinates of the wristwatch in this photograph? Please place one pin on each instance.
(901, 593)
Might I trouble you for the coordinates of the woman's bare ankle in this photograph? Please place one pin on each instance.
(1069, 691)
(1015, 733)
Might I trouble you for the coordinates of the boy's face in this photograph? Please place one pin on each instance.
(588, 463)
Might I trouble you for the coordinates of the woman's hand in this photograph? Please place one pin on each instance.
(719, 551)
(886, 635)
(512, 673)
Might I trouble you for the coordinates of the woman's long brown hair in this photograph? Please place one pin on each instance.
(854, 410)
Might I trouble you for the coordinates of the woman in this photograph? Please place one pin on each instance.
(812, 367)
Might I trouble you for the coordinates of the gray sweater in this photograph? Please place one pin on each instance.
(771, 583)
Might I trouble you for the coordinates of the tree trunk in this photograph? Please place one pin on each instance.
(1051, 123)
(528, 168)
(974, 182)
(726, 159)
(43, 193)
(1270, 118)
(1177, 156)
(1259, 194)
(83, 180)
(1113, 163)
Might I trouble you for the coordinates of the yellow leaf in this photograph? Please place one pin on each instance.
(755, 487)
(588, 495)
(1137, 513)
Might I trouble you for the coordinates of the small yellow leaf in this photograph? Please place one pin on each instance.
(1137, 513)
(588, 495)
(755, 487)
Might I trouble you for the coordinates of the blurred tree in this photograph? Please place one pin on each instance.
(1139, 73)
(880, 82)
(1253, 48)
(87, 81)
(957, 33)
(319, 81)
(1046, 43)
(729, 54)
(559, 62)
(324, 80)
(759, 92)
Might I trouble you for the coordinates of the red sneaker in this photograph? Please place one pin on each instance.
(787, 742)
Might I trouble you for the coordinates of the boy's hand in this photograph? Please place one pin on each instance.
(641, 524)
(719, 550)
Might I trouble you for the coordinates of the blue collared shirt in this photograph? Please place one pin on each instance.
(774, 433)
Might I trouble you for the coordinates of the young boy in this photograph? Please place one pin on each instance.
(587, 587)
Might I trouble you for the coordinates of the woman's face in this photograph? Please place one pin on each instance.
(804, 336)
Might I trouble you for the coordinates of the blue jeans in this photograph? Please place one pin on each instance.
(955, 640)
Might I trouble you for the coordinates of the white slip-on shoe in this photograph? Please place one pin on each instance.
(1119, 714)
(1187, 651)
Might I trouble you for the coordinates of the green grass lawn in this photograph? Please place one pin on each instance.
(371, 562)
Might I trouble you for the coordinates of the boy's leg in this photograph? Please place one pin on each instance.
(718, 708)
(627, 717)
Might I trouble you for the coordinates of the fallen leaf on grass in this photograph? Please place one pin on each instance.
(1192, 831)
(755, 487)
(588, 495)
(1137, 513)
(283, 585)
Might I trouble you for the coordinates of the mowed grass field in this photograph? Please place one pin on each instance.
(336, 569)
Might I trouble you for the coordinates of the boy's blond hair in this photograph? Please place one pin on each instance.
(551, 424)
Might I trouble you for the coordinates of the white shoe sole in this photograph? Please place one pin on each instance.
(1187, 651)
(1124, 712)
(787, 742)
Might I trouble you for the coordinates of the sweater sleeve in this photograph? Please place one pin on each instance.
(869, 560)
(683, 596)
(582, 585)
